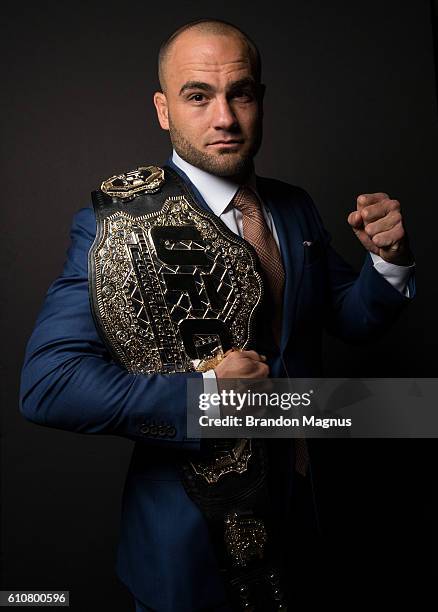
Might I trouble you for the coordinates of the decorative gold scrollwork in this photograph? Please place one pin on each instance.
(245, 538)
(235, 460)
(145, 179)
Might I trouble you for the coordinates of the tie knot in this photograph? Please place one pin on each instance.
(246, 201)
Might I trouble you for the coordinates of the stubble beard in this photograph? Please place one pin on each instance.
(225, 163)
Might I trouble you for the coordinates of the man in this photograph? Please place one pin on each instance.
(211, 102)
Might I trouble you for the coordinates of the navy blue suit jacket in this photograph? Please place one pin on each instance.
(69, 381)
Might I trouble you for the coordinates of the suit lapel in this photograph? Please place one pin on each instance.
(289, 233)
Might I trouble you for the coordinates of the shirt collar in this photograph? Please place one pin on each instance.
(217, 191)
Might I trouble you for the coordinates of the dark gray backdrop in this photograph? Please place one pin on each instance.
(350, 108)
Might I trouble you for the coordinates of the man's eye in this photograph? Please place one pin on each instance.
(197, 97)
(243, 95)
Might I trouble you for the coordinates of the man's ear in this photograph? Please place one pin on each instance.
(160, 102)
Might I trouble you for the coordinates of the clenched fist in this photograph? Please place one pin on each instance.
(242, 364)
(378, 224)
(241, 371)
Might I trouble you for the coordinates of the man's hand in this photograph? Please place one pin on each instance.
(378, 224)
(242, 364)
(248, 367)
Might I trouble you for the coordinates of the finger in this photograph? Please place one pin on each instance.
(247, 355)
(355, 219)
(261, 371)
(366, 240)
(379, 210)
(384, 224)
(389, 239)
(252, 369)
(365, 199)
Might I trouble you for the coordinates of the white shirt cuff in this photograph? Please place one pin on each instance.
(397, 276)
(210, 386)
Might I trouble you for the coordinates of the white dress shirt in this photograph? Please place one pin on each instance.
(218, 192)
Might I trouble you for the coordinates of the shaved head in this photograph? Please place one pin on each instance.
(211, 98)
(212, 27)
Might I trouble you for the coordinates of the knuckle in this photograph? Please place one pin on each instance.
(264, 368)
(381, 196)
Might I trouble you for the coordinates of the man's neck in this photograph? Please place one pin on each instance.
(217, 191)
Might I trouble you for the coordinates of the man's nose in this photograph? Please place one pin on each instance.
(223, 115)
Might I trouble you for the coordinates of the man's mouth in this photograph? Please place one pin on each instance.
(225, 144)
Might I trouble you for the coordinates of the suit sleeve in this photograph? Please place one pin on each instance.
(361, 306)
(69, 381)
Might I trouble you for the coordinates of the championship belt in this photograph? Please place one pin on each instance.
(172, 289)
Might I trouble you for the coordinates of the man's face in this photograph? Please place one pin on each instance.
(212, 105)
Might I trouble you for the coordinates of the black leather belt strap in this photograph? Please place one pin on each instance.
(239, 515)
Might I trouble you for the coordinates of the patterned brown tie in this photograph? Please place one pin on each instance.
(258, 234)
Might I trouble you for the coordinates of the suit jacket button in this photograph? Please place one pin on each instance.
(145, 429)
(171, 432)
